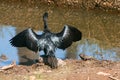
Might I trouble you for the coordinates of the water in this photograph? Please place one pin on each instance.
(5, 48)
(25, 56)
(101, 32)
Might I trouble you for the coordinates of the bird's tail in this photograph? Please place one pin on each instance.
(45, 17)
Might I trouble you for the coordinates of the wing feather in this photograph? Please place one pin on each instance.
(65, 38)
(27, 38)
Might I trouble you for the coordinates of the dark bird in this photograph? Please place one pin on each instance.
(47, 41)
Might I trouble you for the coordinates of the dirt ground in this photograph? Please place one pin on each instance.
(68, 70)
(85, 4)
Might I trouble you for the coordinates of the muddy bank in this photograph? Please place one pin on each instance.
(72, 70)
(85, 4)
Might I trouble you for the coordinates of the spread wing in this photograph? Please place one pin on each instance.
(27, 38)
(65, 38)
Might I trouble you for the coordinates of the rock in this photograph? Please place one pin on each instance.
(85, 57)
(103, 73)
(44, 59)
(61, 62)
(32, 78)
(3, 57)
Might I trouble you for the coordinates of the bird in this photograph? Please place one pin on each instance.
(47, 41)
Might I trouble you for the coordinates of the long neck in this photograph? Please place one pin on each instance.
(45, 17)
(45, 24)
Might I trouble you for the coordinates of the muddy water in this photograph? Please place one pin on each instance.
(101, 31)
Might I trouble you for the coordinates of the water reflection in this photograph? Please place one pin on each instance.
(92, 47)
(6, 33)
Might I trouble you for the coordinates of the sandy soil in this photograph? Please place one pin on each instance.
(86, 4)
(67, 70)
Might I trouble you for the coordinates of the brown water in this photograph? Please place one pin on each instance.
(101, 30)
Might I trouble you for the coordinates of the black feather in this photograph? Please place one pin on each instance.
(27, 38)
(68, 35)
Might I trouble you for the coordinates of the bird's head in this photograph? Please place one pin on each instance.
(45, 16)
